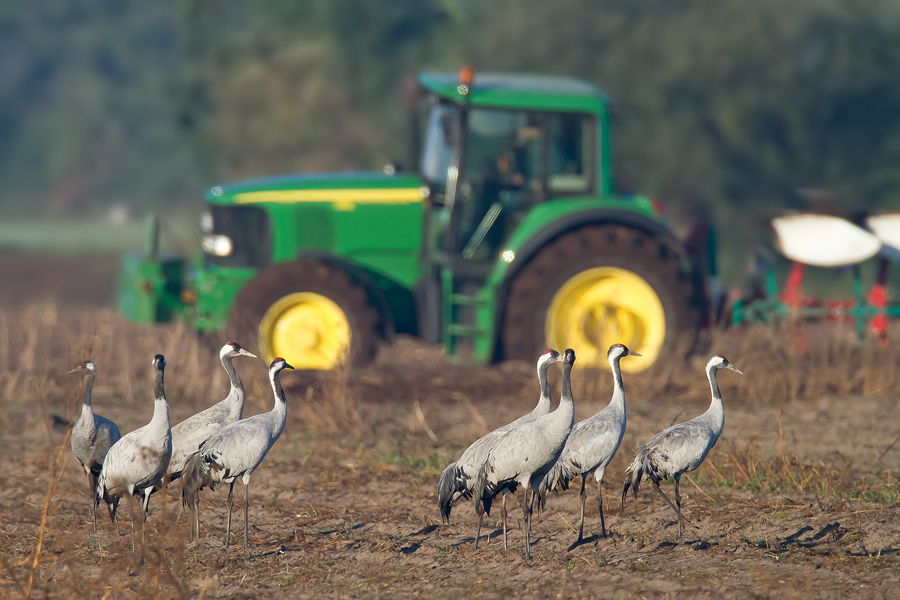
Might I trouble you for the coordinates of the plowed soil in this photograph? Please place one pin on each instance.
(797, 500)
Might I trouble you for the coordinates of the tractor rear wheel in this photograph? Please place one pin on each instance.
(308, 313)
(600, 285)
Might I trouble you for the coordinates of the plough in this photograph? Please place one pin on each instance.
(827, 241)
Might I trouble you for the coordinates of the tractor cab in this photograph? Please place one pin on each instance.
(495, 147)
(487, 166)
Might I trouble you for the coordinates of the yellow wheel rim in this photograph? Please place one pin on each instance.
(308, 330)
(604, 306)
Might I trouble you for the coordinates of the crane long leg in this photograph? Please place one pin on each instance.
(92, 491)
(196, 515)
(246, 506)
(525, 516)
(528, 521)
(478, 531)
(503, 516)
(669, 502)
(228, 527)
(583, 500)
(678, 503)
(600, 503)
(144, 512)
(131, 507)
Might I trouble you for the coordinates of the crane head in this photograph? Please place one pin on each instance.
(85, 367)
(232, 349)
(278, 364)
(569, 357)
(620, 350)
(720, 362)
(549, 356)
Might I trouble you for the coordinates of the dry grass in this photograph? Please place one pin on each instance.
(353, 439)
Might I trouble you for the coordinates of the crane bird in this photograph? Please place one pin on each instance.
(458, 478)
(138, 461)
(236, 451)
(680, 448)
(592, 444)
(92, 436)
(193, 431)
(524, 455)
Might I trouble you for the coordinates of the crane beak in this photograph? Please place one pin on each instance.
(735, 369)
(77, 369)
(632, 353)
(243, 352)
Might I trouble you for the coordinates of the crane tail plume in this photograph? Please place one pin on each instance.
(483, 497)
(560, 475)
(449, 489)
(634, 473)
(195, 476)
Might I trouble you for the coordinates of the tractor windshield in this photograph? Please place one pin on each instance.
(501, 177)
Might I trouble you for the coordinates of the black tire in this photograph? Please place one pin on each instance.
(283, 279)
(654, 259)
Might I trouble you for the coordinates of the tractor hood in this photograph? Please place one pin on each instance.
(336, 188)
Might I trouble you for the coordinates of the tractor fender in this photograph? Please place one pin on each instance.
(360, 276)
(568, 223)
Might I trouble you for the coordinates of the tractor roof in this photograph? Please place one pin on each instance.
(538, 92)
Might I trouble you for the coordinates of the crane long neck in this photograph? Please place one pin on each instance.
(233, 377)
(280, 401)
(88, 386)
(618, 397)
(566, 395)
(544, 401)
(715, 406)
(235, 396)
(565, 412)
(160, 405)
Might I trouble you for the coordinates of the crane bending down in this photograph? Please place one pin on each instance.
(524, 455)
(92, 437)
(236, 451)
(193, 431)
(680, 448)
(138, 461)
(458, 478)
(592, 444)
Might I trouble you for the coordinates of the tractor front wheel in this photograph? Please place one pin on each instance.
(597, 286)
(308, 313)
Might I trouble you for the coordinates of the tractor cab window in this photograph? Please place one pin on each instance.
(571, 155)
(501, 178)
(441, 140)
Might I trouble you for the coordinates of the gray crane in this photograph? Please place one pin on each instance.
(236, 451)
(138, 461)
(524, 455)
(592, 444)
(193, 431)
(680, 448)
(458, 478)
(92, 436)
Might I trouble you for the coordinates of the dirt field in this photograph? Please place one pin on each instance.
(798, 499)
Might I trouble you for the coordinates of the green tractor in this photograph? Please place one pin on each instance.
(509, 238)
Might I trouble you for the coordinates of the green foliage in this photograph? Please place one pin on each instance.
(723, 106)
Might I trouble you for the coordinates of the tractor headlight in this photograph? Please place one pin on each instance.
(217, 245)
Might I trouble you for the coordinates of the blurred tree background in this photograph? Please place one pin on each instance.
(725, 106)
